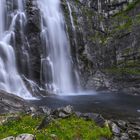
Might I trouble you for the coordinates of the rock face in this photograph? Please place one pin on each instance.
(105, 43)
(33, 29)
(10, 103)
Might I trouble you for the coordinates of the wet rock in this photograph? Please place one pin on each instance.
(6, 119)
(63, 112)
(97, 118)
(63, 115)
(13, 118)
(124, 136)
(68, 109)
(32, 32)
(2, 120)
(45, 122)
(122, 124)
(134, 134)
(97, 56)
(33, 109)
(10, 103)
(115, 129)
(25, 137)
(47, 111)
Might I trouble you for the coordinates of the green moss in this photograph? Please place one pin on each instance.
(132, 5)
(115, 70)
(129, 7)
(100, 38)
(133, 64)
(127, 51)
(64, 129)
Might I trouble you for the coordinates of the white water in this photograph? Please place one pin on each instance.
(10, 79)
(56, 59)
(75, 41)
(71, 17)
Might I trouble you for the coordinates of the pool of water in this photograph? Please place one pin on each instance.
(110, 105)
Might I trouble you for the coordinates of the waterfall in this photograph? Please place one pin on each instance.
(71, 17)
(10, 79)
(56, 59)
(75, 44)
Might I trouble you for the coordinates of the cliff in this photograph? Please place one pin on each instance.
(105, 43)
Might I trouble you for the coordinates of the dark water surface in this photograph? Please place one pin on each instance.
(110, 105)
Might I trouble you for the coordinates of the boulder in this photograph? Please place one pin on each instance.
(63, 112)
(45, 122)
(122, 124)
(10, 103)
(46, 110)
(97, 118)
(25, 137)
(124, 136)
(115, 129)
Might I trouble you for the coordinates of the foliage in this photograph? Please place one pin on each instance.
(60, 129)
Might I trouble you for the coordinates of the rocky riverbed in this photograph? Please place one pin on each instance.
(120, 129)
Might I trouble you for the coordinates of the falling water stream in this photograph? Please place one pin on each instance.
(10, 79)
(56, 57)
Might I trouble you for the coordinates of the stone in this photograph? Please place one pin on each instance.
(124, 136)
(122, 124)
(45, 122)
(134, 134)
(68, 109)
(33, 109)
(10, 103)
(13, 118)
(97, 118)
(63, 115)
(63, 112)
(115, 129)
(25, 137)
(116, 138)
(46, 110)
(53, 136)
(9, 138)
(3, 120)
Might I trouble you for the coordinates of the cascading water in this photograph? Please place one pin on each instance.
(56, 60)
(71, 17)
(10, 80)
(75, 42)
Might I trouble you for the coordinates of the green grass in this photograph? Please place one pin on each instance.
(64, 129)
